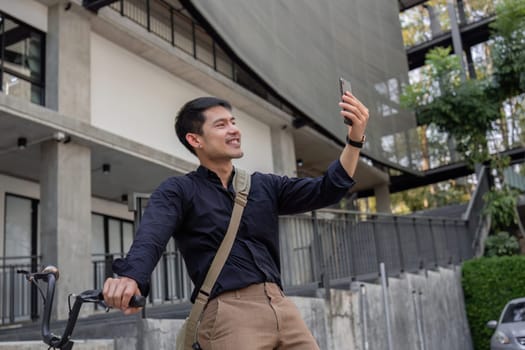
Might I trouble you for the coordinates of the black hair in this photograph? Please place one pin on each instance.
(190, 117)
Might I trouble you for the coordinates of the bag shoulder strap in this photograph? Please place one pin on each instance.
(241, 185)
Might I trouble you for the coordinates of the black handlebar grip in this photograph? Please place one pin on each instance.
(137, 301)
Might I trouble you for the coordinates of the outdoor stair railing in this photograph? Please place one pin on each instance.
(325, 248)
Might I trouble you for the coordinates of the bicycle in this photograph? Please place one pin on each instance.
(50, 275)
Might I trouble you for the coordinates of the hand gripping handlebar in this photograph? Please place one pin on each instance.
(50, 275)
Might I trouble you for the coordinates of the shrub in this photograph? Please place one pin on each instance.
(501, 244)
(488, 284)
(500, 205)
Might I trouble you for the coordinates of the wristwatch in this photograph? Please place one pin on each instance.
(357, 144)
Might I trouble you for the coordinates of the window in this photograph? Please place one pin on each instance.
(22, 54)
(21, 230)
(17, 299)
(514, 313)
(112, 238)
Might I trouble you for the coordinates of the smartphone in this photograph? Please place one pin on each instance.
(344, 85)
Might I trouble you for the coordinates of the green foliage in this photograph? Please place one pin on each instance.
(508, 50)
(463, 109)
(500, 205)
(501, 244)
(438, 195)
(488, 284)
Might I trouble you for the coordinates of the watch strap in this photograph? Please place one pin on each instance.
(357, 144)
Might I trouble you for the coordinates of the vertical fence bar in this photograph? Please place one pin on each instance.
(384, 285)
(400, 246)
(379, 255)
(165, 276)
(459, 235)
(194, 39)
(364, 316)
(418, 245)
(4, 290)
(447, 243)
(320, 273)
(214, 55)
(172, 27)
(419, 319)
(433, 242)
(12, 294)
(148, 15)
(422, 317)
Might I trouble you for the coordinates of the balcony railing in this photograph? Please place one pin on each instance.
(325, 248)
(431, 20)
(18, 299)
(184, 33)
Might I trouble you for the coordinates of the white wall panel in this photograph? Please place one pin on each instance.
(138, 100)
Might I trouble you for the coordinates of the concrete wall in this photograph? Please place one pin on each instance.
(423, 309)
(97, 344)
(427, 313)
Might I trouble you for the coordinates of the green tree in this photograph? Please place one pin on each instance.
(465, 110)
(508, 49)
(483, 116)
(508, 56)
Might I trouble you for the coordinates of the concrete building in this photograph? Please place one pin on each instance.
(89, 97)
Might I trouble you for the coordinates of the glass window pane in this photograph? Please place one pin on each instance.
(114, 236)
(18, 229)
(127, 236)
(97, 226)
(15, 86)
(23, 48)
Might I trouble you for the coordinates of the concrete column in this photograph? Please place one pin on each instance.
(435, 24)
(283, 152)
(383, 203)
(65, 173)
(456, 36)
(68, 61)
(65, 202)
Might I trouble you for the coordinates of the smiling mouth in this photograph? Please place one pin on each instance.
(234, 142)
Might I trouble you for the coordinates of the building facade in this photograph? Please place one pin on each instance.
(87, 111)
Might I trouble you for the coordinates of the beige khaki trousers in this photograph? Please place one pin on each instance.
(258, 317)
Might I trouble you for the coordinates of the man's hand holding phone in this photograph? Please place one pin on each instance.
(355, 114)
(344, 87)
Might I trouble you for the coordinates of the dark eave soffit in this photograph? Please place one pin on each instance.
(406, 4)
(95, 5)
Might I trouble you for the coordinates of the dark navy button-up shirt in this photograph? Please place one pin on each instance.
(196, 209)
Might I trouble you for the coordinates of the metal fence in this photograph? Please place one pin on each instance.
(326, 248)
(332, 248)
(18, 299)
(336, 247)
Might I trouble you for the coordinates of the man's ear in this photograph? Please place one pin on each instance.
(194, 140)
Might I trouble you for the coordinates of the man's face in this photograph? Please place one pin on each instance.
(221, 138)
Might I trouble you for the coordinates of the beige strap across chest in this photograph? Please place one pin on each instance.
(241, 184)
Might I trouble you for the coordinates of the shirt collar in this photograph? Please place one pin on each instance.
(212, 176)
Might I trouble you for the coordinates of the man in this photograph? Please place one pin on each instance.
(247, 308)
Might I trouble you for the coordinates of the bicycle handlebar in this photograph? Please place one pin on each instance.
(50, 275)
